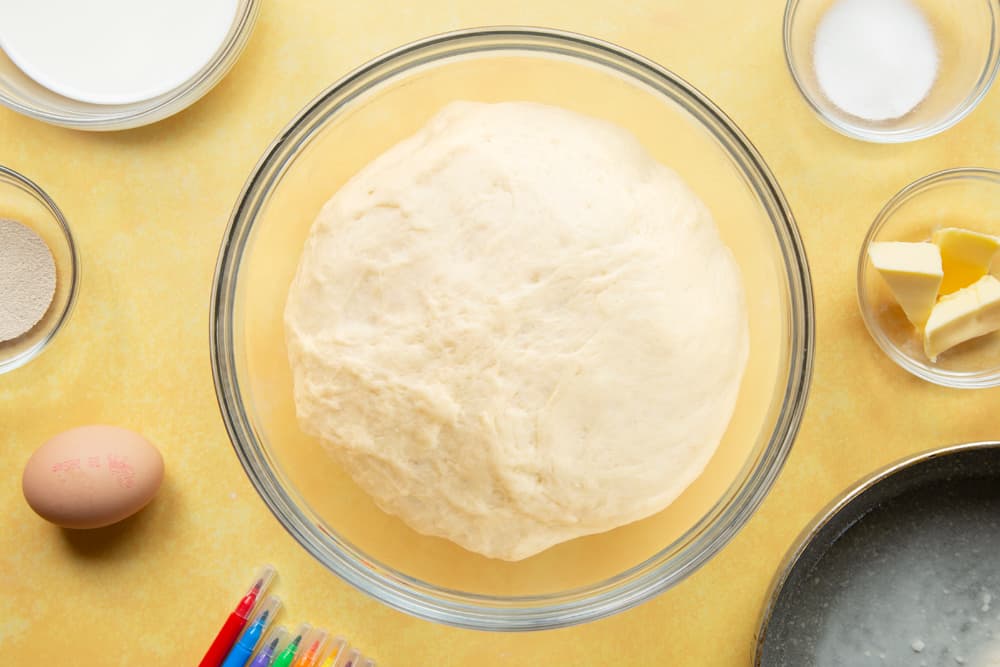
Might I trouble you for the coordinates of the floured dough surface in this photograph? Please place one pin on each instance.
(515, 328)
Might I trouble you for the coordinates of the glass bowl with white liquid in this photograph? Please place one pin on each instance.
(80, 103)
(937, 60)
(353, 122)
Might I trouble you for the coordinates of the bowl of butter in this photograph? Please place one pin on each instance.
(929, 278)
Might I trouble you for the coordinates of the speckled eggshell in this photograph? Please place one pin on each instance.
(92, 476)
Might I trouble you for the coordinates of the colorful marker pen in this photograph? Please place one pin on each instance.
(314, 645)
(224, 641)
(334, 650)
(353, 658)
(287, 655)
(241, 652)
(270, 647)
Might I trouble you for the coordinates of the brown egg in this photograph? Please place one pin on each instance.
(92, 476)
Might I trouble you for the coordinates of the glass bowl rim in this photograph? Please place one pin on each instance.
(113, 117)
(957, 113)
(486, 612)
(953, 379)
(21, 181)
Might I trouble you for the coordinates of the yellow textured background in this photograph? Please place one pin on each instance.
(148, 208)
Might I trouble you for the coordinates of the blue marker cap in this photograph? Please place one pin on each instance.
(264, 615)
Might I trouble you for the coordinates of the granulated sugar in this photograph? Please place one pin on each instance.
(27, 279)
(875, 59)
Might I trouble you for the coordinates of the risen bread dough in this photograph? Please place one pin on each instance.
(515, 328)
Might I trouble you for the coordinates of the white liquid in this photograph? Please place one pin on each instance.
(113, 51)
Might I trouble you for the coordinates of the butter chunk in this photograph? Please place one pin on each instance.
(965, 255)
(970, 312)
(913, 272)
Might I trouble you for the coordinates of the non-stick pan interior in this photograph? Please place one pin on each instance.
(906, 572)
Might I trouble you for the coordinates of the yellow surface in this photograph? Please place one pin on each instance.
(148, 208)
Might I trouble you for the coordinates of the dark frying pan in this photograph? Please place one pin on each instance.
(902, 569)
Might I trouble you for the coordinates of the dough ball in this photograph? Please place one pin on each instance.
(516, 328)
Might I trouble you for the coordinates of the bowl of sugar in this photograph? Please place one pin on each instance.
(117, 64)
(892, 71)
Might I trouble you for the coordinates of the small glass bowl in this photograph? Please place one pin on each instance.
(24, 95)
(968, 50)
(348, 126)
(968, 198)
(23, 201)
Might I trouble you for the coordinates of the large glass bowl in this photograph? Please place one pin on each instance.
(354, 121)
